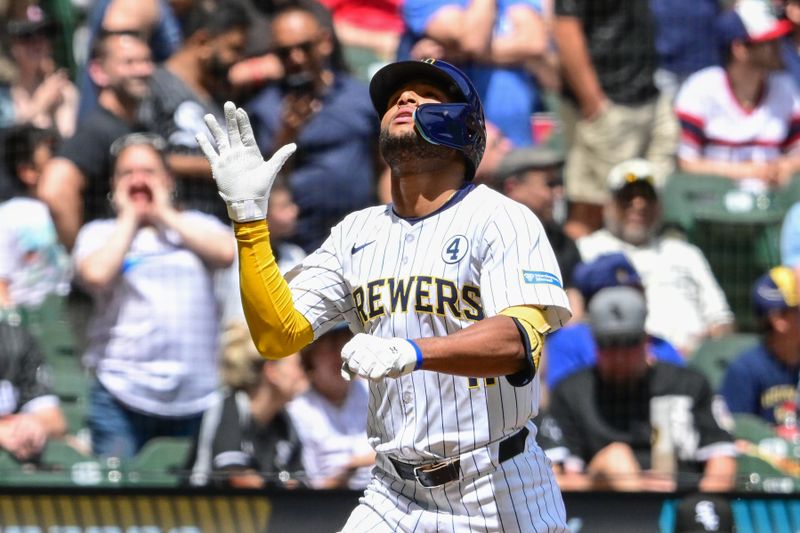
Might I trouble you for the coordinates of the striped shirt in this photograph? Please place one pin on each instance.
(432, 276)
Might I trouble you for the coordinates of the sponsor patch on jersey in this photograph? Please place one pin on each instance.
(540, 277)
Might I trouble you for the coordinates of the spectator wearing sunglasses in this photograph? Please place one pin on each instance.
(685, 302)
(325, 110)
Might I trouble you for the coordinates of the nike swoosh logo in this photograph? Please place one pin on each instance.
(356, 249)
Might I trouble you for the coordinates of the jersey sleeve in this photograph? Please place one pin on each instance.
(690, 110)
(319, 290)
(792, 142)
(519, 266)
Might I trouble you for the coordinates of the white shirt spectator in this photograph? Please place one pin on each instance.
(331, 435)
(714, 125)
(153, 338)
(32, 261)
(683, 296)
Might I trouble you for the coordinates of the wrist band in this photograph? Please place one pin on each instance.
(419, 354)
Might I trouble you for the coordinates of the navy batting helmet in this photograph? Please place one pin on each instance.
(458, 124)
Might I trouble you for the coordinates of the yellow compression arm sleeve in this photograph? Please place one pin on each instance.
(535, 325)
(277, 328)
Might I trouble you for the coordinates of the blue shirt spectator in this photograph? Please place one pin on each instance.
(758, 383)
(510, 95)
(573, 348)
(334, 151)
(686, 44)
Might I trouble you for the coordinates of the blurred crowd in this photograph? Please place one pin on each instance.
(593, 111)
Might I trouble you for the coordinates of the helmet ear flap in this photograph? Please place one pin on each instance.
(455, 125)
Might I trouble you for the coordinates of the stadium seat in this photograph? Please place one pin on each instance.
(713, 356)
(738, 231)
(159, 462)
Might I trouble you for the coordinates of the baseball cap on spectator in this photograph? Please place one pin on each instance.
(617, 316)
(607, 270)
(34, 22)
(701, 513)
(521, 160)
(751, 21)
(631, 171)
(775, 291)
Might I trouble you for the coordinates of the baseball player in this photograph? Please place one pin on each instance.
(450, 290)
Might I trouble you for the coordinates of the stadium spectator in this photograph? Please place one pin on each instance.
(29, 411)
(247, 438)
(33, 265)
(156, 20)
(331, 417)
(336, 164)
(498, 44)
(153, 335)
(611, 109)
(685, 303)
(685, 43)
(763, 380)
(42, 94)
(633, 425)
(573, 347)
(75, 184)
(742, 120)
(532, 177)
(190, 84)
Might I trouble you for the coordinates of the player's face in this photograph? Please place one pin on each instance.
(398, 119)
(128, 67)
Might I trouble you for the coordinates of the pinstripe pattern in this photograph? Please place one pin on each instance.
(393, 277)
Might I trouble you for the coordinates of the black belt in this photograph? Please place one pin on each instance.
(435, 474)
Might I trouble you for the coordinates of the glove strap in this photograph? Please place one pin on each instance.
(247, 210)
(419, 354)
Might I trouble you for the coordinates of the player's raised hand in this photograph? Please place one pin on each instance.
(243, 178)
(376, 358)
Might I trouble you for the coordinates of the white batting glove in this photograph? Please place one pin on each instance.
(243, 178)
(376, 358)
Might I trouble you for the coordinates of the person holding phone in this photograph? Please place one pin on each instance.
(327, 111)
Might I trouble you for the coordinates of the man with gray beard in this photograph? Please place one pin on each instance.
(685, 301)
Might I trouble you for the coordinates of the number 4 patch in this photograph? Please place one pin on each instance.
(455, 249)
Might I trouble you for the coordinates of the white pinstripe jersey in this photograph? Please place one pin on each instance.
(413, 278)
